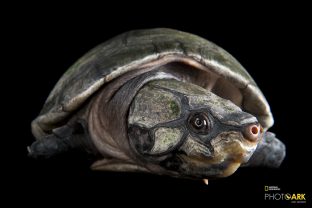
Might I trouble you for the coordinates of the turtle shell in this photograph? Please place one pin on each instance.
(140, 49)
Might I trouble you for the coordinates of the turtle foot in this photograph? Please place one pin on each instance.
(270, 152)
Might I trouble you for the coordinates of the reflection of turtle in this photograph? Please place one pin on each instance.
(159, 101)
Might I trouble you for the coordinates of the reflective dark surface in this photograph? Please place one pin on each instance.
(270, 48)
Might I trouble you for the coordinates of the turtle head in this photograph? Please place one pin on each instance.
(189, 131)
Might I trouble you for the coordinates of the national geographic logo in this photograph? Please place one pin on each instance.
(273, 193)
(271, 188)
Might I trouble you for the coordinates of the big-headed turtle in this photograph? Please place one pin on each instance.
(160, 101)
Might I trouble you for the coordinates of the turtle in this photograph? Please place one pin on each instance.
(159, 101)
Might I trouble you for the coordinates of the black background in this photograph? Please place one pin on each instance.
(270, 42)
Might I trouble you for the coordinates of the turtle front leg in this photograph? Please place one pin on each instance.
(62, 140)
(270, 152)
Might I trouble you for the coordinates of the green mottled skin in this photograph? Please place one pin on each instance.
(174, 107)
(153, 106)
(166, 138)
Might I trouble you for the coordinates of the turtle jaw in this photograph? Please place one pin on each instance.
(230, 150)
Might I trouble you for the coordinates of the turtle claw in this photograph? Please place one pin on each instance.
(205, 180)
(270, 152)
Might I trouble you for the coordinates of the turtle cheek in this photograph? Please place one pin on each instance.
(158, 142)
(139, 139)
(166, 139)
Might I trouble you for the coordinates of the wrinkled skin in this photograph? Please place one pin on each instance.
(160, 124)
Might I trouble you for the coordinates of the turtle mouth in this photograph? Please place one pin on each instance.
(229, 150)
(233, 146)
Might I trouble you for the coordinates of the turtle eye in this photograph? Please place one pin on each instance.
(199, 123)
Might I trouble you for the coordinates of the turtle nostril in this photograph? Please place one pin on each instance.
(252, 132)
